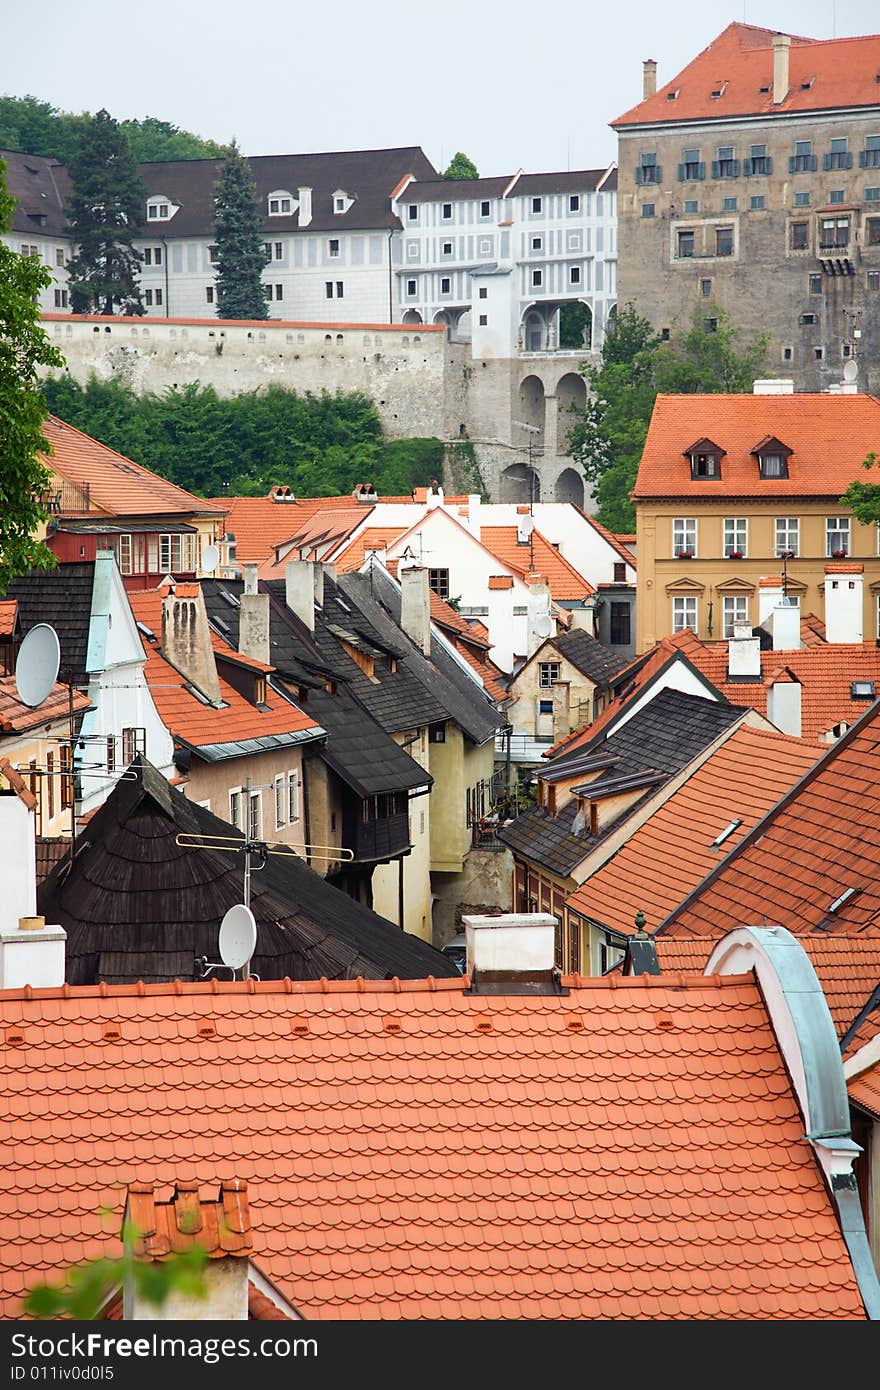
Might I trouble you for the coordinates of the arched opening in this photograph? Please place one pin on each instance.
(519, 483)
(571, 395)
(463, 327)
(570, 487)
(534, 335)
(412, 316)
(532, 406)
(575, 325)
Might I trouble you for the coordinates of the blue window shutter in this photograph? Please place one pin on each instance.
(735, 173)
(863, 159)
(826, 162)
(791, 168)
(702, 173)
(848, 160)
(638, 173)
(814, 162)
(659, 173)
(747, 167)
(768, 167)
(681, 173)
(716, 169)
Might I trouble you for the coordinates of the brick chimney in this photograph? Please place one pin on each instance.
(30, 952)
(186, 639)
(299, 590)
(781, 56)
(513, 953)
(253, 628)
(649, 78)
(415, 606)
(844, 603)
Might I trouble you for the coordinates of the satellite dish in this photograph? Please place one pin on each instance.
(210, 558)
(526, 525)
(238, 936)
(36, 669)
(850, 370)
(543, 625)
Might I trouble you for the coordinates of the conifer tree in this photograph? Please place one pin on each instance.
(241, 254)
(106, 207)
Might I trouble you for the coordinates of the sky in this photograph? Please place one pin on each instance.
(511, 84)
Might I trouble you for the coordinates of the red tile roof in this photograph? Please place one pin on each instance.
(16, 716)
(371, 538)
(672, 851)
(219, 1227)
(117, 486)
(739, 64)
(16, 782)
(489, 673)
(184, 715)
(8, 613)
(818, 842)
(415, 1151)
(565, 581)
(830, 436)
(445, 616)
(617, 543)
(500, 581)
(864, 1090)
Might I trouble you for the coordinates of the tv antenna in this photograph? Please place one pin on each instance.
(36, 669)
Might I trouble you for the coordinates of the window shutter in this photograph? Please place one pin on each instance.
(658, 172)
(702, 174)
(681, 173)
(863, 159)
(791, 166)
(747, 167)
(826, 162)
(814, 162)
(716, 169)
(848, 160)
(735, 174)
(638, 173)
(768, 164)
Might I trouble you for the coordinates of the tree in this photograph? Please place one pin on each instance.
(863, 499)
(241, 254)
(106, 208)
(460, 167)
(575, 324)
(36, 127)
(23, 348)
(609, 433)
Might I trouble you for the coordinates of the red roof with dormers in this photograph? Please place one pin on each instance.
(829, 436)
(631, 1148)
(823, 74)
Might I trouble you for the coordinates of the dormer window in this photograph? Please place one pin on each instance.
(280, 203)
(342, 201)
(772, 456)
(705, 459)
(160, 209)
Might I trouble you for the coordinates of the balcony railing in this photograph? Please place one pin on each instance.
(62, 497)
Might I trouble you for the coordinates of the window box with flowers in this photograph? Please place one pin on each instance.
(734, 554)
(838, 554)
(684, 554)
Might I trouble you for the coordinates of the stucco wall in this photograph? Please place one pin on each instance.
(212, 783)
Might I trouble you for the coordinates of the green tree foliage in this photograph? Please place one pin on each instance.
(320, 445)
(241, 254)
(36, 127)
(609, 433)
(23, 348)
(460, 167)
(87, 1287)
(106, 208)
(575, 325)
(863, 499)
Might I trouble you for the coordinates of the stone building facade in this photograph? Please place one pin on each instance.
(751, 183)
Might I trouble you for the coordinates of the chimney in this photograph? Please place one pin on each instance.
(415, 606)
(844, 604)
(319, 584)
(513, 953)
(781, 55)
(540, 623)
(561, 710)
(649, 78)
(305, 207)
(743, 655)
(30, 952)
(769, 596)
(299, 590)
(253, 627)
(475, 502)
(221, 1228)
(785, 625)
(640, 957)
(186, 639)
(434, 497)
(773, 386)
(500, 621)
(784, 703)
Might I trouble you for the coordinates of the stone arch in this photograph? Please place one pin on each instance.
(519, 483)
(412, 316)
(463, 327)
(571, 394)
(532, 407)
(534, 331)
(570, 487)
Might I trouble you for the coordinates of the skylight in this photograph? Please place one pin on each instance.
(232, 599)
(861, 690)
(844, 898)
(726, 833)
(147, 631)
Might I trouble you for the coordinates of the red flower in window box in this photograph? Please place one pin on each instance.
(734, 554)
(684, 554)
(838, 554)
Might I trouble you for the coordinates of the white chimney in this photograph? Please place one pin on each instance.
(649, 78)
(253, 627)
(30, 952)
(415, 606)
(540, 623)
(785, 625)
(473, 519)
(844, 605)
(299, 590)
(784, 704)
(434, 496)
(769, 595)
(500, 621)
(781, 55)
(305, 206)
(774, 386)
(513, 949)
(743, 655)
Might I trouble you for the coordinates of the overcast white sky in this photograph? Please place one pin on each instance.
(513, 84)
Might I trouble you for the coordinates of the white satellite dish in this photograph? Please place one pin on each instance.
(210, 558)
(850, 370)
(36, 669)
(238, 937)
(543, 625)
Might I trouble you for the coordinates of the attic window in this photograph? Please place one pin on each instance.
(861, 690)
(671, 96)
(718, 91)
(764, 90)
(705, 459)
(805, 86)
(280, 203)
(726, 833)
(843, 899)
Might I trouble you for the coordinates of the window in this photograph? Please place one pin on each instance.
(537, 204)
(759, 162)
(446, 248)
(446, 212)
(872, 231)
(773, 465)
(267, 291)
(59, 255)
(869, 157)
(67, 791)
(537, 243)
(439, 582)
(685, 244)
(834, 232)
(874, 279)
(728, 204)
(787, 354)
(412, 213)
(134, 741)
(254, 827)
(485, 208)
(30, 250)
(648, 170)
(209, 294)
(574, 275)
(839, 156)
(147, 255)
(537, 279)
(545, 706)
(705, 463)
(279, 291)
(148, 298)
(280, 802)
(648, 209)
(691, 207)
(726, 166)
(158, 296)
(131, 554)
(339, 204)
(756, 203)
(684, 535)
(574, 202)
(798, 236)
(807, 318)
(736, 612)
(445, 285)
(61, 299)
(706, 288)
(548, 674)
(235, 809)
(177, 554)
(483, 293)
(818, 353)
(711, 325)
(837, 535)
(279, 205)
(484, 320)
(212, 255)
(111, 753)
(292, 797)
(723, 241)
(816, 283)
(684, 612)
(619, 571)
(411, 287)
(736, 533)
(835, 195)
(691, 167)
(328, 289)
(802, 200)
(619, 634)
(803, 161)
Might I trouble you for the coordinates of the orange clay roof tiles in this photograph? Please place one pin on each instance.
(162, 1228)
(738, 65)
(117, 486)
(16, 716)
(672, 851)
(8, 613)
(413, 1151)
(444, 615)
(488, 672)
(500, 581)
(820, 840)
(864, 1090)
(564, 580)
(371, 538)
(829, 436)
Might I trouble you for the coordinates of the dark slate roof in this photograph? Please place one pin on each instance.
(571, 181)
(37, 185)
(465, 702)
(455, 190)
(589, 655)
(136, 904)
(63, 598)
(367, 176)
(662, 738)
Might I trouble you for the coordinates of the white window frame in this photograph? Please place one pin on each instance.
(235, 804)
(735, 613)
(292, 797)
(684, 534)
(255, 815)
(788, 526)
(548, 674)
(333, 247)
(537, 279)
(280, 203)
(736, 534)
(684, 612)
(280, 788)
(837, 530)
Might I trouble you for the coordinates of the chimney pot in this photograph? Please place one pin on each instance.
(299, 591)
(649, 78)
(781, 56)
(415, 606)
(31, 923)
